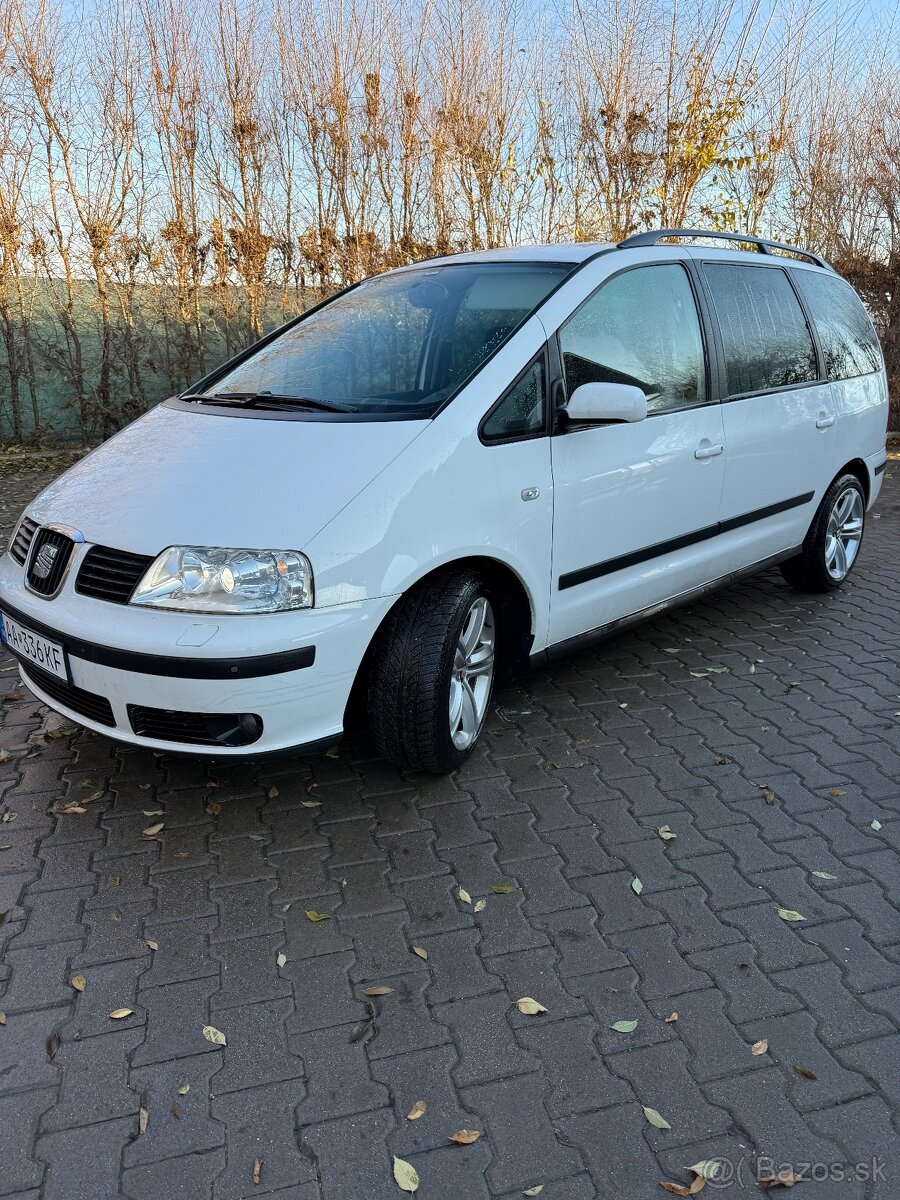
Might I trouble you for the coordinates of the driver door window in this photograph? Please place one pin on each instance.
(640, 328)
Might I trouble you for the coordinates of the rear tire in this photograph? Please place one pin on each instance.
(831, 547)
(432, 674)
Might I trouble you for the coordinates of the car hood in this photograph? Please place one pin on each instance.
(206, 479)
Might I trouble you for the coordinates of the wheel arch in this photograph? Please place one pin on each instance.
(857, 467)
(514, 610)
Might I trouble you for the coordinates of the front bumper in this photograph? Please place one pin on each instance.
(294, 671)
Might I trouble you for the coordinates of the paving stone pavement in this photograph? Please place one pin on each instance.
(684, 722)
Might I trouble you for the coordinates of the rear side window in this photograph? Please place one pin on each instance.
(849, 343)
(764, 333)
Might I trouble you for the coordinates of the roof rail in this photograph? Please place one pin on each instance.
(763, 245)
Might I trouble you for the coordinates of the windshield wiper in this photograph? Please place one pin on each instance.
(266, 399)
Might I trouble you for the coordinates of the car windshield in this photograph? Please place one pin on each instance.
(400, 343)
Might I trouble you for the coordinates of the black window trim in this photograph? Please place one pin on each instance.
(486, 439)
(724, 396)
(703, 321)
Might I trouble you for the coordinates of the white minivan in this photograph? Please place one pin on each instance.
(460, 466)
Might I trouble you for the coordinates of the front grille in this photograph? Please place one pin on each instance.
(20, 544)
(95, 708)
(48, 561)
(108, 574)
(196, 729)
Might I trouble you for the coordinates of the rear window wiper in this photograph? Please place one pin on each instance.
(266, 399)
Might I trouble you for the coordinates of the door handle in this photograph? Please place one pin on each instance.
(824, 421)
(709, 451)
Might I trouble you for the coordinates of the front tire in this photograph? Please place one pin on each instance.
(432, 674)
(832, 544)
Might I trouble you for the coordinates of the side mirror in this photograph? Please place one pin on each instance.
(607, 402)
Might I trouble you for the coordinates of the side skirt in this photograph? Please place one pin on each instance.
(602, 632)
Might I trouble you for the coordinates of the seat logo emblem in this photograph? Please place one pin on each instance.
(43, 563)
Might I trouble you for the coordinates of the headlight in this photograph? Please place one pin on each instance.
(211, 580)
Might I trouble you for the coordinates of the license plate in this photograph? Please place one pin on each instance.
(34, 647)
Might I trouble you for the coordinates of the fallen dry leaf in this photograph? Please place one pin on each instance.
(152, 812)
(768, 795)
(118, 1013)
(636, 886)
(465, 1137)
(417, 1110)
(143, 1118)
(175, 1110)
(534, 1191)
(464, 896)
(421, 951)
(378, 989)
(72, 810)
(529, 1006)
(152, 830)
(805, 1071)
(281, 959)
(480, 905)
(671, 1017)
(2, 1018)
(316, 916)
(789, 914)
(184, 1089)
(216, 1036)
(273, 793)
(624, 1026)
(406, 1176)
(286, 907)
(666, 833)
(838, 792)
(5, 756)
(78, 982)
(876, 825)
(657, 1121)
(707, 1168)
(785, 1179)
(214, 808)
(52, 1045)
(311, 803)
(759, 1047)
(823, 875)
(676, 1189)
(153, 945)
(503, 889)
(257, 1169)
(114, 880)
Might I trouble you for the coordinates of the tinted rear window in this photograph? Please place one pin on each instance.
(849, 342)
(764, 333)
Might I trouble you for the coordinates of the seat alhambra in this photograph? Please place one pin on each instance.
(453, 468)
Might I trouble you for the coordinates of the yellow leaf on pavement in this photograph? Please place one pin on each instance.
(529, 1006)
(406, 1176)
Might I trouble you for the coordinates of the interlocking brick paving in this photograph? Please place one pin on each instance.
(581, 764)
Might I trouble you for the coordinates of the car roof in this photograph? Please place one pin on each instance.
(568, 252)
(578, 252)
